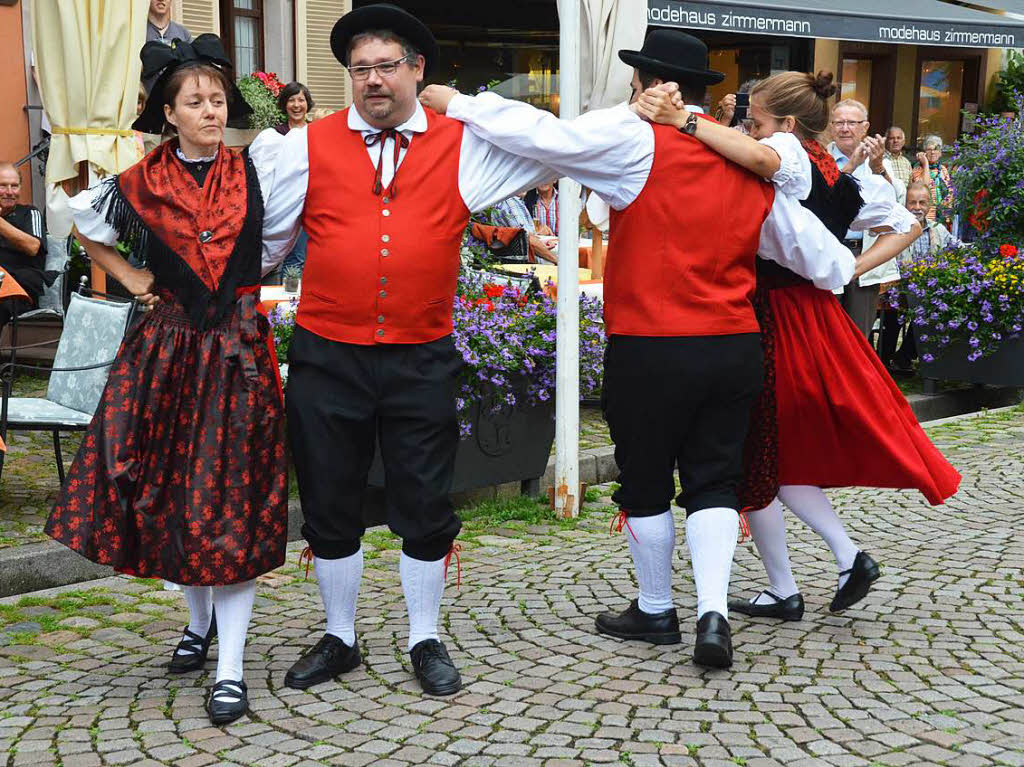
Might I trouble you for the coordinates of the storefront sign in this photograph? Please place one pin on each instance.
(765, 19)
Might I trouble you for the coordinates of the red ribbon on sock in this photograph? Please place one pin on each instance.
(307, 554)
(454, 551)
(622, 520)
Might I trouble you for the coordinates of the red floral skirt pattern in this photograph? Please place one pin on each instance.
(839, 419)
(182, 473)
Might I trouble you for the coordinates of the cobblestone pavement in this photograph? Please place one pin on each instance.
(929, 669)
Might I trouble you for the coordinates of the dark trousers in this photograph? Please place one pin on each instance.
(891, 327)
(680, 403)
(341, 399)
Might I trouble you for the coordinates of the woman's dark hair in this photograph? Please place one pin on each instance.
(177, 79)
(290, 90)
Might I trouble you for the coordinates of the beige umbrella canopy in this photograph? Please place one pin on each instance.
(87, 57)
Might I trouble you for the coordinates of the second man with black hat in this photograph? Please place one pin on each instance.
(683, 363)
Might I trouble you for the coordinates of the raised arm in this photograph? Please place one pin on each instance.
(608, 150)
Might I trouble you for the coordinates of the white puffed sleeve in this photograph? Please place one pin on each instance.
(91, 223)
(263, 152)
(881, 210)
(794, 174)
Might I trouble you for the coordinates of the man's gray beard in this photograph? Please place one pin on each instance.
(380, 112)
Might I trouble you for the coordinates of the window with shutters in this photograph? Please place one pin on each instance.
(241, 23)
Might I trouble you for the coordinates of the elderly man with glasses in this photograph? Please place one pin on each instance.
(384, 190)
(861, 155)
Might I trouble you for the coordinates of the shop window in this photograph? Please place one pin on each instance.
(856, 83)
(241, 22)
(940, 99)
(741, 66)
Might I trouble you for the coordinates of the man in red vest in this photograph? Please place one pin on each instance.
(683, 363)
(384, 191)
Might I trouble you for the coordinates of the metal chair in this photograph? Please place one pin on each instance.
(93, 331)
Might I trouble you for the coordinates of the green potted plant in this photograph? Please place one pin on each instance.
(291, 276)
(260, 91)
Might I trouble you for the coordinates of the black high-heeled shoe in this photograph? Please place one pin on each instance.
(229, 700)
(196, 649)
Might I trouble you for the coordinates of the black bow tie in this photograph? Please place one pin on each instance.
(401, 142)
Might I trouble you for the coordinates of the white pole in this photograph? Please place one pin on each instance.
(567, 387)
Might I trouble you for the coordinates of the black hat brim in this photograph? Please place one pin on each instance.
(152, 118)
(384, 16)
(667, 71)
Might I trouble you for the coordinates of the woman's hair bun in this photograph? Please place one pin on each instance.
(822, 84)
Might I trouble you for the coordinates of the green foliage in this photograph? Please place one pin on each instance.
(263, 101)
(1011, 80)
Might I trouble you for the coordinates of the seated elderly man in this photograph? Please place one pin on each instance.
(22, 243)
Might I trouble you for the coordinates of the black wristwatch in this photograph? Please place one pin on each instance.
(690, 126)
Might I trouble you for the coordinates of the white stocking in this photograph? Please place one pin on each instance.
(651, 542)
(813, 508)
(423, 584)
(768, 529)
(200, 610)
(234, 610)
(711, 535)
(339, 581)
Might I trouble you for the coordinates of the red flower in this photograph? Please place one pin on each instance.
(494, 291)
(979, 218)
(1007, 251)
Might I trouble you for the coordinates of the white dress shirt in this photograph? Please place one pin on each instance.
(611, 151)
(486, 175)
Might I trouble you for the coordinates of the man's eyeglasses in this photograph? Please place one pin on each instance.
(847, 123)
(384, 69)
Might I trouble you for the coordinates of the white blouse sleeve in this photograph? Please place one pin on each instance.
(90, 223)
(881, 210)
(795, 238)
(282, 166)
(794, 174)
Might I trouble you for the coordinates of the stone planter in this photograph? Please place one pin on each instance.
(1004, 367)
(510, 445)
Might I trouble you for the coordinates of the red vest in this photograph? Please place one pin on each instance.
(380, 269)
(681, 256)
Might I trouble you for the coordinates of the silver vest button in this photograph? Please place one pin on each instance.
(205, 236)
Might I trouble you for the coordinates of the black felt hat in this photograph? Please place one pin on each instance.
(673, 55)
(383, 16)
(161, 60)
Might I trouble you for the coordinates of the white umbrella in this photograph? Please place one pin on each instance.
(600, 28)
(87, 58)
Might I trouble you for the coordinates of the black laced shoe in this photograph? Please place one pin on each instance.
(789, 609)
(434, 668)
(634, 623)
(195, 647)
(327, 659)
(863, 573)
(228, 701)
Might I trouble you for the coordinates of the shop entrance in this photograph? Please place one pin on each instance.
(867, 73)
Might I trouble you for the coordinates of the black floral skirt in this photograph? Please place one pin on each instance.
(182, 473)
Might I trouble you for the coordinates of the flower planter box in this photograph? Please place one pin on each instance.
(509, 445)
(1004, 367)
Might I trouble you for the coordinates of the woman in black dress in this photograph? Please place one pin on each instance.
(182, 472)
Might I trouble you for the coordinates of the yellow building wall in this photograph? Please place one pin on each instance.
(315, 65)
(826, 56)
(903, 99)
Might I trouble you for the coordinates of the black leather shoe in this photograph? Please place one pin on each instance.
(634, 623)
(329, 658)
(863, 573)
(434, 668)
(788, 609)
(228, 701)
(196, 649)
(714, 641)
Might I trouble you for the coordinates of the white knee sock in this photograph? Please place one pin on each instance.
(813, 508)
(652, 541)
(339, 581)
(234, 610)
(200, 610)
(711, 535)
(768, 529)
(423, 584)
